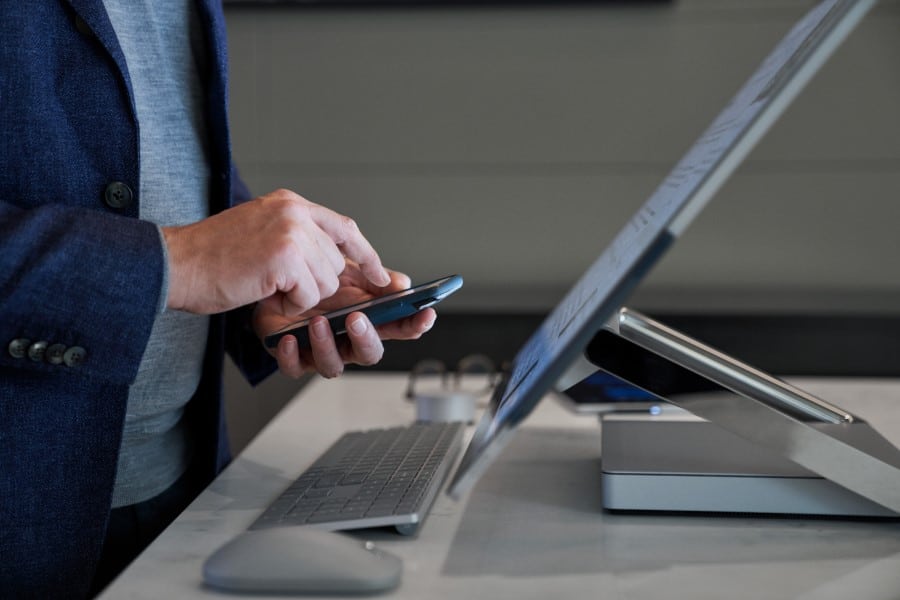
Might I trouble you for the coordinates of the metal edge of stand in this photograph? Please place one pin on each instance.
(726, 370)
(828, 445)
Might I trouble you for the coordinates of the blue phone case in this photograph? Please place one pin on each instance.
(383, 309)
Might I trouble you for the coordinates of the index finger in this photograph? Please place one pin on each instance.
(346, 234)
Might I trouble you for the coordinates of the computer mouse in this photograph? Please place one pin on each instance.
(301, 560)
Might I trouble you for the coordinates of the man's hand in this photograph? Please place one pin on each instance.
(363, 344)
(279, 247)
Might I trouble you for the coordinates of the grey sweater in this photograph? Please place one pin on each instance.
(165, 60)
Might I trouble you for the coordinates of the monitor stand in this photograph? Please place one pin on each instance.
(686, 464)
(755, 444)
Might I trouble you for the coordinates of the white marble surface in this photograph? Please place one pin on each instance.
(533, 527)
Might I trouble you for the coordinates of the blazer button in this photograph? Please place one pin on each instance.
(54, 354)
(117, 195)
(36, 351)
(74, 356)
(18, 348)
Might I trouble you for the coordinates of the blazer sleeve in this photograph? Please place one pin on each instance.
(77, 279)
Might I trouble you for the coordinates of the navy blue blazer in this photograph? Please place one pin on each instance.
(80, 277)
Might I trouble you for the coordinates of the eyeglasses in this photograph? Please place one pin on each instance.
(450, 394)
(474, 374)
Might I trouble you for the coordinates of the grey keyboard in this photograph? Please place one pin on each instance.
(373, 478)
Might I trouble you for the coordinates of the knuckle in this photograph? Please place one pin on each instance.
(290, 370)
(328, 287)
(332, 372)
(294, 213)
(349, 226)
(286, 204)
(284, 194)
(282, 248)
(370, 354)
(300, 299)
(274, 200)
(272, 282)
(311, 297)
(375, 357)
(411, 331)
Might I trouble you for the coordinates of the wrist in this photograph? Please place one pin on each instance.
(163, 302)
(174, 279)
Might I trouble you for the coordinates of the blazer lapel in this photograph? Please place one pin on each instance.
(216, 80)
(94, 15)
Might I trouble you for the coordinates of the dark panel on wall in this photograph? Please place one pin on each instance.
(844, 345)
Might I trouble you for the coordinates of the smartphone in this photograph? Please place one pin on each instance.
(383, 309)
(603, 392)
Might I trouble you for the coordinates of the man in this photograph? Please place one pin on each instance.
(132, 259)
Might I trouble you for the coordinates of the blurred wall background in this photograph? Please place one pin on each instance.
(509, 142)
